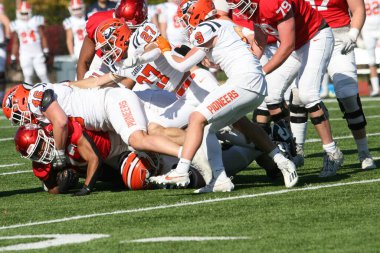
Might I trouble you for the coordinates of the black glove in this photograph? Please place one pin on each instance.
(46, 56)
(82, 192)
(5, 43)
(59, 161)
(67, 179)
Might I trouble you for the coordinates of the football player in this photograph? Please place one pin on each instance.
(4, 40)
(371, 36)
(346, 18)
(75, 26)
(244, 90)
(302, 29)
(134, 13)
(29, 42)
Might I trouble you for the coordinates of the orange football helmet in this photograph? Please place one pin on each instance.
(192, 12)
(112, 38)
(77, 8)
(243, 8)
(15, 105)
(24, 11)
(136, 169)
(32, 143)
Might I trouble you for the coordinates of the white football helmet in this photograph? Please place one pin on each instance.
(24, 11)
(77, 8)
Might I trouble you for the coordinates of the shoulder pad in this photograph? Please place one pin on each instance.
(48, 98)
(204, 32)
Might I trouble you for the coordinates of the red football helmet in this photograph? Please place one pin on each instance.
(191, 13)
(15, 105)
(112, 38)
(243, 8)
(77, 8)
(136, 168)
(32, 143)
(24, 11)
(134, 12)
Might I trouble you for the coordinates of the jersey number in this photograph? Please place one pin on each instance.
(284, 8)
(25, 35)
(147, 71)
(145, 34)
(372, 8)
(321, 7)
(80, 34)
(37, 97)
(199, 38)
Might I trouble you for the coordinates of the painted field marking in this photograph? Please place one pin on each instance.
(15, 172)
(363, 99)
(10, 165)
(6, 139)
(341, 137)
(182, 204)
(367, 117)
(51, 240)
(6, 127)
(187, 239)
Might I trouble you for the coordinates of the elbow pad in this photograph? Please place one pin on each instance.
(47, 99)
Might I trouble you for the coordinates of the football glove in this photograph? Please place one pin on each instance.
(59, 161)
(163, 44)
(349, 41)
(82, 192)
(66, 180)
(46, 54)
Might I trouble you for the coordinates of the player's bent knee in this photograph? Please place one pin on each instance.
(197, 118)
(137, 140)
(154, 128)
(283, 112)
(351, 108)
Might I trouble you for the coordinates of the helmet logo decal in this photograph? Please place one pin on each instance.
(186, 6)
(108, 32)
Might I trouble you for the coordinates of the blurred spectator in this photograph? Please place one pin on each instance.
(371, 36)
(100, 5)
(169, 25)
(75, 27)
(4, 40)
(30, 43)
(152, 14)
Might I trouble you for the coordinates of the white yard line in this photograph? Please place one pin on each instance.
(187, 239)
(364, 107)
(10, 165)
(7, 127)
(363, 99)
(341, 137)
(16, 172)
(367, 117)
(182, 204)
(6, 139)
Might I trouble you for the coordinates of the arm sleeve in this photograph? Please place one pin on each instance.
(149, 56)
(187, 64)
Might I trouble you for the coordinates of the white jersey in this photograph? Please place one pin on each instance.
(230, 52)
(28, 35)
(152, 10)
(2, 37)
(372, 21)
(78, 27)
(174, 29)
(158, 74)
(85, 106)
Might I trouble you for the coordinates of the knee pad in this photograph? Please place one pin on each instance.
(281, 115)
(298, 112)
(265, 126)
(353, 112)
(345, 87)
(319, 119)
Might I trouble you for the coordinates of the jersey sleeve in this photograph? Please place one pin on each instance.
(34, 102)
(203, 33)
(94, 21)
(279, 9)
(67, 24)
(75, 132)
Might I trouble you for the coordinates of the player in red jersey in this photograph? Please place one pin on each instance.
(299, 28)
(342, 70)
(134, 12)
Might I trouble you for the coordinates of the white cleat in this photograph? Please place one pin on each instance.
(288, 170)
(331, 163)
(366, 161)
(172, 178)
(224, 185)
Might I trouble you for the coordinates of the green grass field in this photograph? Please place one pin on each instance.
(339, 214)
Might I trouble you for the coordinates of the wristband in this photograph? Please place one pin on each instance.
(13, 57)
(45, 50)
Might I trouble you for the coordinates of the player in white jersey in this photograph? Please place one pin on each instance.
(169, 26)
(4, 40)
(371, 36)
(30, 43)
(75, 27)
(244, 90)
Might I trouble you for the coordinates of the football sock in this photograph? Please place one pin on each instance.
(330, 148)
(183, 166)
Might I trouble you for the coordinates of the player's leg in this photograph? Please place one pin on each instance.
(315, 57)
(370, 43)
(342, 68)
(40, 68)
(26, 64)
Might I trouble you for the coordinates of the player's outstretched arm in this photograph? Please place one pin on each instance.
(106, 80)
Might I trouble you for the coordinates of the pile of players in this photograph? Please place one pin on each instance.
(143, 95)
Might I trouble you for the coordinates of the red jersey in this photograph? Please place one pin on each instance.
(270, 12)
(100, 139)
(335, 12)
(94, 21)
